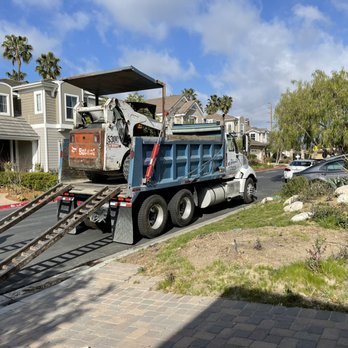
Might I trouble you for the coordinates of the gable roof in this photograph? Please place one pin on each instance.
(257, 130)
(170, 101)
(16, 128)
(13, 83)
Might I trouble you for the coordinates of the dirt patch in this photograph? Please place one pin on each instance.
(267, 246)
(19, 194)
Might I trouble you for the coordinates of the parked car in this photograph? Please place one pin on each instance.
(297, 166)
(329, 168)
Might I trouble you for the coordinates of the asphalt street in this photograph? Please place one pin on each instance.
(90, 245)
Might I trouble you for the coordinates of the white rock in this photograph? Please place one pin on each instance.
(267, 199)
(302, 217)
(291, 200)
(296, 206)
(343, 198)
(340, 190)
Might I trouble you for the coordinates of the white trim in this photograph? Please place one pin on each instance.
(7, 103)
(59, 97)
(45, 134)
(34, 153)
(36, 109)
(11, 151)
(65, 106)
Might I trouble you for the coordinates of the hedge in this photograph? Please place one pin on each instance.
(38, 181)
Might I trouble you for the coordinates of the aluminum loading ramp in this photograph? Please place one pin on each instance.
(23, 256)
(30, 208)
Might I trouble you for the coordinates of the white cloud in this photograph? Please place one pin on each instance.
(83, 65)
(152, 17)
(161, 65)
(308, 13)
(68, 22)
(340, 4)
(41, 41)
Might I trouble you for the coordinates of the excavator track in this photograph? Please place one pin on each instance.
(30, 208)
(23, 256)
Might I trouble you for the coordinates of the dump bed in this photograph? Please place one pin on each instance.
(189, 159)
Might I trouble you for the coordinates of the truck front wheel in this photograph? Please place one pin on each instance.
(249, 191)
(152, 216)
(181, 208)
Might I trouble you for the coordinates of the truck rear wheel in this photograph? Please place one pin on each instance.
(152, 216)
(249, 191)
(181, 208)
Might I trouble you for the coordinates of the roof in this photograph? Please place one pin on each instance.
(13, 83)
(256, 129)
(16, 128)
(218, 117)
(255, 143)
(121, 80)
(170, 101)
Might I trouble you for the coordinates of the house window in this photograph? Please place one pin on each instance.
(4, 105)
(70, 102)
(38, 102)
(252, 136)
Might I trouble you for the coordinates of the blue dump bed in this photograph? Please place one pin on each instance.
(178, 162)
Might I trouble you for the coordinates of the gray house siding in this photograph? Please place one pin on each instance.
(51, 109)
(27, 101)
(67, 89)
(53, 138)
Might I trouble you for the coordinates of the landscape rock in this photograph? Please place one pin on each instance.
(267, 199)
(302, 217)
(343, 198)
(296, 206)
(291, 200)
(341, 190)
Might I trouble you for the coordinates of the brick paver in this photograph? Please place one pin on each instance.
(114, 306)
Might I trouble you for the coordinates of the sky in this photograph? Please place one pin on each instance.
(250, 50)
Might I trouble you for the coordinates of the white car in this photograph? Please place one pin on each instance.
(297, 166)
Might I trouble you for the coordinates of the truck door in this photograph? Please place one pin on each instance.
(233, 163)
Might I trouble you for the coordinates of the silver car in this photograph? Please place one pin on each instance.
(330, 168)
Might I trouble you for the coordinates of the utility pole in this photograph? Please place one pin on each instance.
(271, 115)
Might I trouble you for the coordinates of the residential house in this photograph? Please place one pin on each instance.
(18, 140)
(35, 118)
(258, 141)
(180, 109)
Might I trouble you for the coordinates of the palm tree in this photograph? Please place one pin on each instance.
(213, 104)
(225, 104)
(17, 49)
(47, 66)
(191, 94)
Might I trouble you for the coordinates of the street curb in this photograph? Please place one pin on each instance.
(75, 273)
(13, 205)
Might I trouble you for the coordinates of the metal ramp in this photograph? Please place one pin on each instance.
(37, 246)
(30, 208)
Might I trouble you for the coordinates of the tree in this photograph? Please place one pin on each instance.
(315, 112)
(135, 97)
(191, 94)
(216, 104)
(47, 66)
(17, 50)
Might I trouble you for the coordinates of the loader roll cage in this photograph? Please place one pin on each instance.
(128, 79)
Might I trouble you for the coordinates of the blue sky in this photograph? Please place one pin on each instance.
(248, 49)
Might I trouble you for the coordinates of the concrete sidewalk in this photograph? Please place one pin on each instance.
(112, 305)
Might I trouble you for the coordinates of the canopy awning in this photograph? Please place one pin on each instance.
(16, 128)
(122, 80)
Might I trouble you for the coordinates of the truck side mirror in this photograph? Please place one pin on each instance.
(246, 143)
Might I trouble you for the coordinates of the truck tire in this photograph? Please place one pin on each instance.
(181, 208)
(125, 167)
(152, 216)
(249, 190)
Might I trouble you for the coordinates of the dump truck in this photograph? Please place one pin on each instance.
(172, 175)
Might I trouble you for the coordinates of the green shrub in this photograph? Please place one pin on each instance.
(9, 178)
(330, 216)
(295, 186)
(38, 181)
